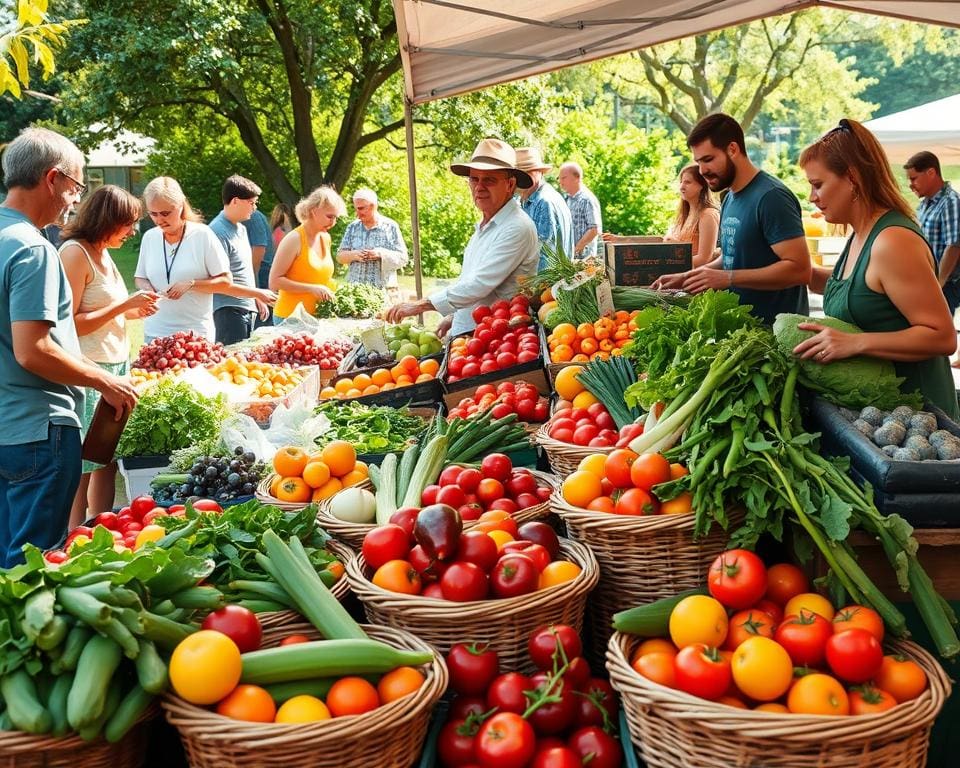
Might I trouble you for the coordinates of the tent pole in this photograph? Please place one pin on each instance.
(414, 207)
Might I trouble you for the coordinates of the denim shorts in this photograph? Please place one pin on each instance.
(233, 324)
(37, 484)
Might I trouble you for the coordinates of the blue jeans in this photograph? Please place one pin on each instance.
(37, 484)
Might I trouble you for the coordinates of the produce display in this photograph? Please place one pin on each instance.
(407, 338)
(222, 476)
(519, 397)
(905, 434)
(183, 349)
(371, 428)
(357, 300)
(503, 338)
(407, 372)
(560, 716)
(776, 625)
(301, 477)
(595, 340)
(302, 349)
(480, 434)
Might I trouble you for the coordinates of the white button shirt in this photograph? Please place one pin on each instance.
(498, 253)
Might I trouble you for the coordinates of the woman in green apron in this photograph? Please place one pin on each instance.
(885, 281)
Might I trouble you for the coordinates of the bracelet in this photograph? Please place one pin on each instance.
(192, 283)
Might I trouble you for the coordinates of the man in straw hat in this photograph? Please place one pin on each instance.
(503, 248)
(545, 206)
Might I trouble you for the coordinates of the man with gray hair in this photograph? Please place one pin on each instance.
(584, 210)
(372, 247)
(41, 390)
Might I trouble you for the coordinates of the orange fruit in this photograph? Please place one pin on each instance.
(562, 353)
(381, 376)
(404, 381)
(682, 505)
(500, 537)
(325, 491)
(586, 331)
(409, 364)
(354, 477)
(352, 696)
(399, 683)
(293, 489)
(340, 456)
(302, 709)
(566, 383)
(248, 702)
(362, 468)
(343, 385)
(565, 333)
(275, 485)
(327, 393)
(654, 645)
(430, 366)
(589, 346)
(398, 576)
(558, 572)
(580, 488)
(361, 381)
(580, 359)
(603, 504)
(424, 377)
(397, 371)
(316, 473)
(388, 386)
(353, 392)
(289, 461)
(371, 389)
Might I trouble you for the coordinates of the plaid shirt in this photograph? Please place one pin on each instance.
(940, 221)
(384, 235)
(585, 212)
(551, 216)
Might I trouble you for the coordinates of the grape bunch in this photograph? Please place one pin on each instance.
(183, 349)
(223, 478)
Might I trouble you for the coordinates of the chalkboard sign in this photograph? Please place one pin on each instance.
(643, 263)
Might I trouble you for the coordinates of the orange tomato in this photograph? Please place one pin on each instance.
(275, 485)
(424, 377)
(500, 537)
(381, 376)
(682, 505)
(352, 696)
(585, 331)
(732, 701)
(289, 461)
(325, 491)
(603, 504)
(404, 381)
(316, 473)
(293, 489)
(398, 683)
(772, 706)
(429, 366)
(858, 617)
(580, 488)
(353, 392)
(503, 520)
(654, 645)
(746, 624)
(248, 702)
(565, 333)
(658, 667)
(595, 463)
(410, 364)
(818, 694)
(589, 346)
(397, 576)
(785, 581)
(902, 678)
(558, 572)
(354, 477)
(339, 456)
(868, 700)
(562, 353)
(678, 471)
(581, 358)
(205, 667)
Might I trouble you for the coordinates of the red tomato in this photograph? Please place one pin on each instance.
(464, 582)
(514, 575)
(107, 520)
(702, 671)
(456, 742)
(406, 518)
(489, 490)
(429, 495)
(55, 556)
(507, 692)
(433, 591)
(463, 706)
(649, 470)
(385, 543)
(541, 558)
(238, 623)
(556, 757)
(504, 505)
(527, 500)
(737, 578)
(617, 467)
(148, 518)
(521, 482)
(478, 548)
(428, 569)
(635, 501)
(452, 496)
(747, 624)
(480, 312)
(450, 475)
(141, 505)
(544, 643)
(772, 609)
(854, 655)
(597, 746)
(176, 509)
(593, 700)
(556, 715)
(804, 637)
(578, 673)
(497, 466)
(584, 433)
(472, 668)
(506, 740)
(207, 505)
(469, 479)
(784, 581)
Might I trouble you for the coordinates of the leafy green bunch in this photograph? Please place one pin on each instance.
(371, 429)
(356, 300)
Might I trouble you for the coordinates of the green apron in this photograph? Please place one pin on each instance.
(852, 300)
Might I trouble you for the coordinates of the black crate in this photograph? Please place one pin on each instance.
(532, 371)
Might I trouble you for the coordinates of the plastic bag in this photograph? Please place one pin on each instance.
(240, 429)
(210, 386)
(296, 425)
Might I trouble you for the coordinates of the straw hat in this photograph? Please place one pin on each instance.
(529, 159)
(494, 155)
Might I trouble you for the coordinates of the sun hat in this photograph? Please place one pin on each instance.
(529, 159)
(494, 155)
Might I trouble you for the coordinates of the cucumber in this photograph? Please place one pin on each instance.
(23, 705)
(114, 696)
(133, 705)
(95, 669)
(387, 491)
(652, 619)
(407, 463)
(72, 647)
(159, 481)
(151, 671)
(57, 704)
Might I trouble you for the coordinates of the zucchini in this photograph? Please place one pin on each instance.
(164, 631)
(160, 481)
(326, 658)
(151, 671)
(114, 696)
(57, 704)
(316, 686)
(264, 590)
(652, 619)
(77, 637)
(387, 490)
(95, 669)
(427, 470)
(407, 463)
(132, 705)
(199, 598)
(26, 712)
(53, 634)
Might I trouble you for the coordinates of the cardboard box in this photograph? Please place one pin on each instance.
(641, 260)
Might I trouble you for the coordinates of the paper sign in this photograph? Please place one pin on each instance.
(374, 340)
(605, 298)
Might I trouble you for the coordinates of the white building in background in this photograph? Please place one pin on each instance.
(119, 161)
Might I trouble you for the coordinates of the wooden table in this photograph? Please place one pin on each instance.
(939, 554)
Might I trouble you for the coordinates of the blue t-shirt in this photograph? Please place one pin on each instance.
(258, 233)
(233, 238)
(33, 286)
(760, 215)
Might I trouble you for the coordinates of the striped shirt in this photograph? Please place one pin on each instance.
(939, 217)
(585, 212)
(385, 237)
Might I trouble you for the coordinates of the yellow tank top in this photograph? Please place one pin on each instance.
(307, 267)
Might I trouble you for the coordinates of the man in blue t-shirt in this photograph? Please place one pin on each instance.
(764, 252)
(43, 372)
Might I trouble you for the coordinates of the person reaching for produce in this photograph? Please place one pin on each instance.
(302, 271)
(503, 248)
(885, 281)
(100, 307)
(372, 246)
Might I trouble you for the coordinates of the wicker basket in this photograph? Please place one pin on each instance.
(264, 496)
(391, 735)
(641, 559)
(673, 729)
(353, 533)
(26, 750)
(505, 624)
(564, 457)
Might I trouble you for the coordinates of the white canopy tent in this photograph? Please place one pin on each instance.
(450, 47)
(934, 126)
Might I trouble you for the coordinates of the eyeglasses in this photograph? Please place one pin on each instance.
(79, 188)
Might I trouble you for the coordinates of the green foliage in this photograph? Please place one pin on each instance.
(31, 36)
(360, 300)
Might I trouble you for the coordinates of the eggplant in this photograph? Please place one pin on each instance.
(437, 530)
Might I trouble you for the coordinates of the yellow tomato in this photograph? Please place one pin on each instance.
(809, 601)
(558, 572)
(595, 463)
(302, 709)
(501, 538)
(698, 619)
(762, 668)
(150, 533)
(205, 667)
